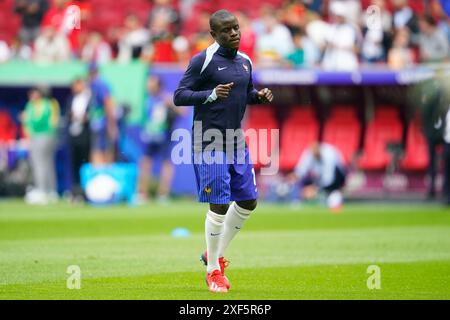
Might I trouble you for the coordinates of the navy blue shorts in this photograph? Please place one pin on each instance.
(222, 181)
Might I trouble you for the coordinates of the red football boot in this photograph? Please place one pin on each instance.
(216, 282)
(223, 263)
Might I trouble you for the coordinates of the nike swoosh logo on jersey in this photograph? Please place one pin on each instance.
(215, 234)
(220, 69)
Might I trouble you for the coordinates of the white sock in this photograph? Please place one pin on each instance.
(234, 220)
(213, 234)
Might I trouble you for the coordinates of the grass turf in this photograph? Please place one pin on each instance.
(282, 253)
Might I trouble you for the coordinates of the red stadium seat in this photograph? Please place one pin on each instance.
(8, 129)
(416, 150)
(343, 130)
(299, 131)
(384, 129)
(260, 118)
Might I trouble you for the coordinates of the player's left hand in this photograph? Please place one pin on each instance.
(265, 95)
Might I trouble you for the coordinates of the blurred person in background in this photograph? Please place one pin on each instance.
(433, 43)
(65, 16)
(314, 5)
(96, 50)
(275, 41)
(159, 116)
(401, 55)
(404, 17)
(160, 48)
(201, 39)
(165, 9)
(443, 20)
(77, 123)
(340, 52)
(51, 46)
(321, 169)
(41, 120)
(433, 110)
(305, 54)
(377, 34)
(20, 50)
(134, 39)
(102, 119)
(32, 12)
(352, 12)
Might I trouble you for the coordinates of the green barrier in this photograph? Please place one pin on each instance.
(127, 80)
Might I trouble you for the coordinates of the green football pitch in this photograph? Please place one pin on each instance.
(283, 252)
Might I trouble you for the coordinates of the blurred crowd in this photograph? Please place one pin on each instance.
(332, 34)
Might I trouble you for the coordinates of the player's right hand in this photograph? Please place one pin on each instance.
(223, 90)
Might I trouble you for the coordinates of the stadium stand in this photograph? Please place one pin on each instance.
(343, 130)
(416, 153)
(386, 128)
(297, 133)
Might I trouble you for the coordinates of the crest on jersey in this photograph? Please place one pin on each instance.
(207, 190)
(245, 67)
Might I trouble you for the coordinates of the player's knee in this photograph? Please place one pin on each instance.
(248, 204)
(219, 208)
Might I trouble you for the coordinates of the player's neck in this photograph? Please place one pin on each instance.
(227, 52)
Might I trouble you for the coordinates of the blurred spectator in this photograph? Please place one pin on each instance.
(134, 39)
(433, 43)
(20, 50)
(342, 39)
(352, 12)
(164, 10)
(201, 39)
(77, 121)
(41, 119)
(65, 17)
(248, 36)
(294, 16)
(404, 17)
(102, 119)
(51, 46)
(96, 50)
(5, 52)
(275, 41)
(297, 57)
(32, 12)
(434, 108)
(161, 38)
(314, 5)
(401, 55)
(306, 53)
(377, 33)
(181, 47)
(442, 18)
(160, 114)
(321, 169)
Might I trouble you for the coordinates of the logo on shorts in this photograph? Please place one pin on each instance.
(208, 190)
(245, 67)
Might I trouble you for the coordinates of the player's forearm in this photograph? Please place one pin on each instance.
(187, 97)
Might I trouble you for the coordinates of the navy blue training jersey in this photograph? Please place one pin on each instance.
(211, 67)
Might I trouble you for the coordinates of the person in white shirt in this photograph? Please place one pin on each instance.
(321, 168)
(341, 42)
(274, 43)
(51, 46)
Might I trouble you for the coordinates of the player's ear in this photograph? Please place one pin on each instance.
(213, 34)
